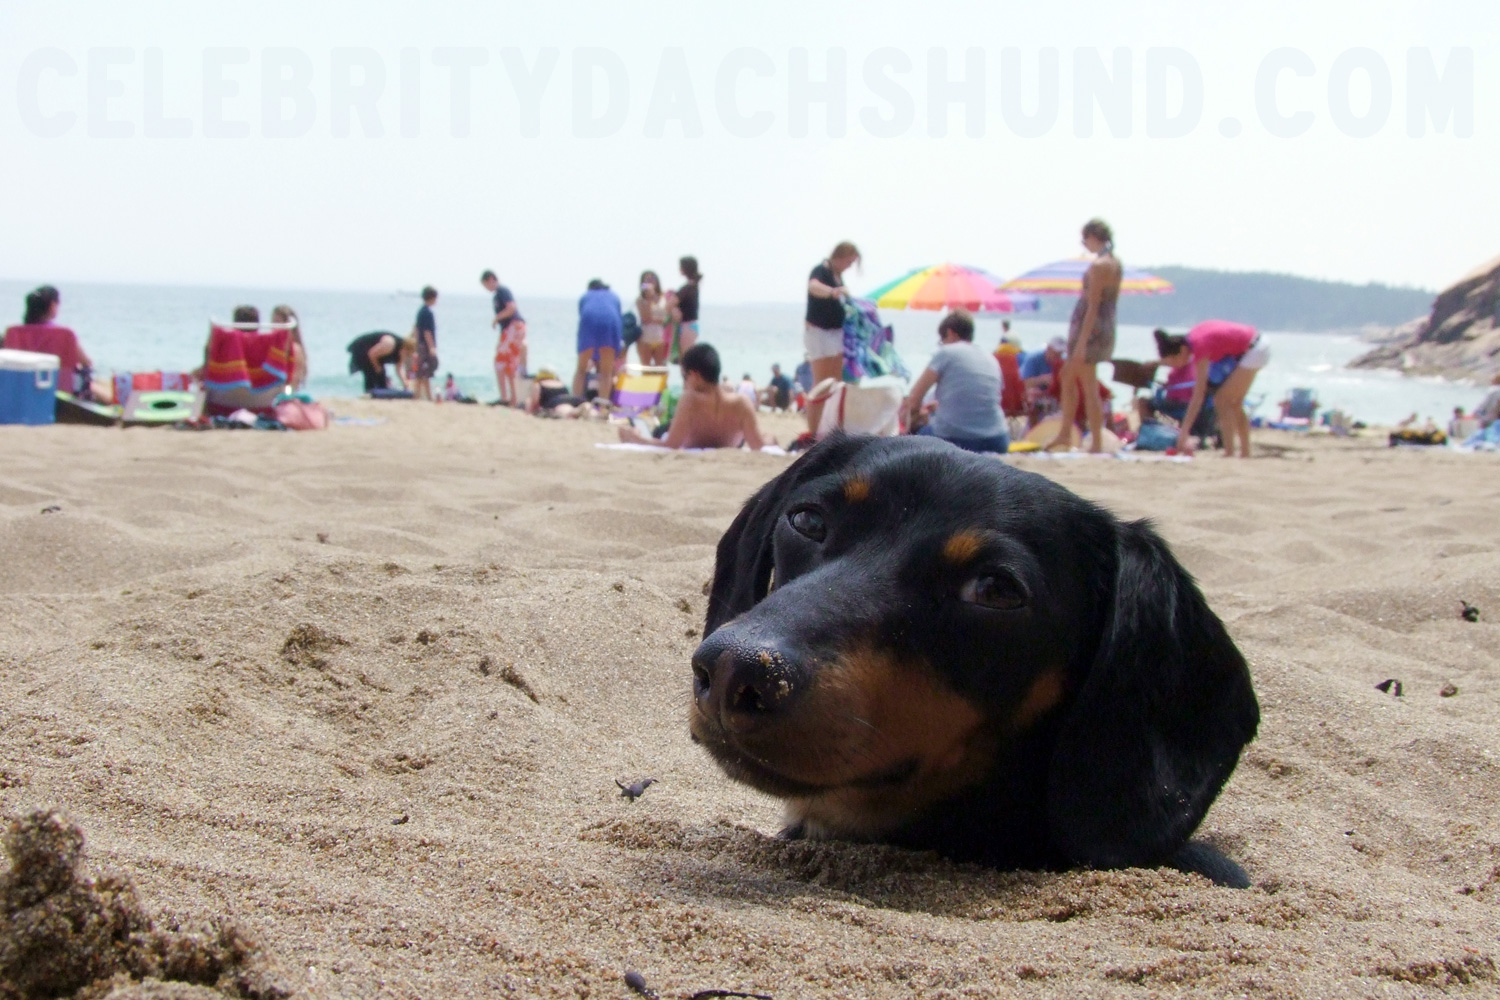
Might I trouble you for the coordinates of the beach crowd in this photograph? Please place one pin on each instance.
(976, 398)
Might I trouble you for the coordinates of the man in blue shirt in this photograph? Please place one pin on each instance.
(779, 389)
(967, 378)
(1039, 368)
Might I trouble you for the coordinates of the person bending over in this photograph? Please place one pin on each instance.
(598, 338)
(1209, 342)
(369, 353)
(968, 390)
(708, 415)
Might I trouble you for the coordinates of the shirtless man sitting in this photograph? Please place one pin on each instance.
(707, 416)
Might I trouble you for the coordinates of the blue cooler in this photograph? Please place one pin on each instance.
(28, 387)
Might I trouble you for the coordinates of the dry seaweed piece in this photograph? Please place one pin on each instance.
(306, 642)
(1468, 612)
(636, 789)
(707, 994)
(637, 984)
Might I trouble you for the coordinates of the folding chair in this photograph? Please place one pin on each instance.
(638, 388)
(247, 365)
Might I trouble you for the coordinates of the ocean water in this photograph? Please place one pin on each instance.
(141, 327)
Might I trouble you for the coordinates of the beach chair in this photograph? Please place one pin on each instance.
(1299, 407)
(1012, 387)
(638, 388)
(1139, 375)
(247, 366)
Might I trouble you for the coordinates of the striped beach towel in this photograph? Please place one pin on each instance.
(245, 369)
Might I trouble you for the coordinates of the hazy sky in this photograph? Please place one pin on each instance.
(382, 146)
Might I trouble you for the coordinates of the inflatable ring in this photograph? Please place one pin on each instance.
(159, 407)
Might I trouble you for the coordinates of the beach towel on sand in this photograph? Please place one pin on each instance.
(654, 449)
(245, 369)
(127, 382)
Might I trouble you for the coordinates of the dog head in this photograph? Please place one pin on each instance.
(892, 620)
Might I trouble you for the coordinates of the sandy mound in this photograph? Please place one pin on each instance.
(62, 934)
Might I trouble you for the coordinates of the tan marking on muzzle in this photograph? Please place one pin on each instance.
(1043, 695)
(869, 714)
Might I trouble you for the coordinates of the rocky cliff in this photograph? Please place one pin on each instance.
(1460, 338)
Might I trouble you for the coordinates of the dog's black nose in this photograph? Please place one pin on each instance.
(741, 681)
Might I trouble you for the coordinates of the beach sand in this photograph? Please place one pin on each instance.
(366, 693)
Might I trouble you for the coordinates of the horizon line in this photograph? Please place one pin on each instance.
(414, 293)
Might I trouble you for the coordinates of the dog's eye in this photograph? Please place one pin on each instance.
(810, 523)
(1002, 592)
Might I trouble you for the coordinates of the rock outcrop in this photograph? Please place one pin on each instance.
(1460, 338)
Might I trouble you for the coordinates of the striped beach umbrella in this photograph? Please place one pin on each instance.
(1065, 277)
(951, 286)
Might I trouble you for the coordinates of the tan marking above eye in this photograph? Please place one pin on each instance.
(962, 546)
(857, 489)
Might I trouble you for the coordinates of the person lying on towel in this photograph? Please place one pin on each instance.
(708, 415)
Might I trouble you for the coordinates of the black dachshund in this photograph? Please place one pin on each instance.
(924, 647)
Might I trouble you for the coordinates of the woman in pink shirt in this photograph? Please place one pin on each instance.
(1210, 341)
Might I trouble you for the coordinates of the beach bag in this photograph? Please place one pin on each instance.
(630, 328)
(872, 407)
(1155, 437)
(1420, 438)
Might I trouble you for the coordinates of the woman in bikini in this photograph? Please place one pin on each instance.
(1091, 337)
(655, 313)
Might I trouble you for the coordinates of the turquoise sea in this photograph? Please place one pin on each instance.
(142, 327)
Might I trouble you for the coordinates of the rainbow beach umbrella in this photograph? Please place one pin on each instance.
(1065, 277)
(951, 286)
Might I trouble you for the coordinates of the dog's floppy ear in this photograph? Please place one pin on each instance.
(1159, 722)
(743, 563)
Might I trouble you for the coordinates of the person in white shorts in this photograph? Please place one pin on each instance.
(823, 334)
(1212, 341)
